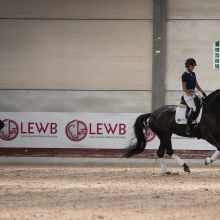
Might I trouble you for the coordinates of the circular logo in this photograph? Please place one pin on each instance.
(76, 130)
(149, 135)
(10, 130)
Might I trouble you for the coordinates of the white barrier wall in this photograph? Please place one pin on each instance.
(80, 130)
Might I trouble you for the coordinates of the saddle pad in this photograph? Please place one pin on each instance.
(180, 116)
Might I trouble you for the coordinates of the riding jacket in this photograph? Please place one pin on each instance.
(190, 80)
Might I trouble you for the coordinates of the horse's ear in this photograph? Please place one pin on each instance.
(217, 91)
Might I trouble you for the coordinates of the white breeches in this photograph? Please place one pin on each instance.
(190, 101)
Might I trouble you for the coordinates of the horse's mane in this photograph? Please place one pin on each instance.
(213, 94)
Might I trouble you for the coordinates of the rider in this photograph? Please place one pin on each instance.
(189, 83)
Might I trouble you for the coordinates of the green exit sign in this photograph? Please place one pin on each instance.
(216, 55)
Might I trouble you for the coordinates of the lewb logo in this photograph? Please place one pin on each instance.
(76, 130)
(149, 135)
(10, 130)
(107, 128)
(37, 128)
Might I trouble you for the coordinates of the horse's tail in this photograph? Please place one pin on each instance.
(139, 134)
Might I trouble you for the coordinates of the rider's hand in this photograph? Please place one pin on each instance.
(204, 95)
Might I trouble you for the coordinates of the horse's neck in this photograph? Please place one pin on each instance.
(213, 96)
(212, 104)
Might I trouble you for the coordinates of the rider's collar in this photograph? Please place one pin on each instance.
(188, 71)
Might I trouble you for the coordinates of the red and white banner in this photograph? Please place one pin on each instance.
(80, 130)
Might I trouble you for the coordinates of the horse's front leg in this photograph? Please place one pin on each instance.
(214, 157)
(212, 140)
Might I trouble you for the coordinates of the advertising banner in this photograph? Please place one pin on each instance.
(80, 130)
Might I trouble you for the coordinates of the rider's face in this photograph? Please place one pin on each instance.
(191, 68)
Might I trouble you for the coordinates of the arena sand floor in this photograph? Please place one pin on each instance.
(91, 189)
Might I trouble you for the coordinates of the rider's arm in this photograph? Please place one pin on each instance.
(199, 88)
(185, 89)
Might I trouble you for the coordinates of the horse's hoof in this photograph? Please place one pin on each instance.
(208, 160)
(186, 168)
(167, 173)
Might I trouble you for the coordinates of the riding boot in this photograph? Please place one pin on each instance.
(189, 130)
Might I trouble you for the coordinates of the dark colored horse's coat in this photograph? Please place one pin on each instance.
(162, 123)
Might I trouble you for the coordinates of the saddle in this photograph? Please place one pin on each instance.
(182, 111)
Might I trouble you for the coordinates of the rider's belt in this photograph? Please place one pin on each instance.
(192, 90)
(182, 106)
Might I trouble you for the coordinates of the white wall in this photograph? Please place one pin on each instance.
(77, 9)
(75, 46)
(86, 52)
(193, 9)
(75, 54)
(192, 28)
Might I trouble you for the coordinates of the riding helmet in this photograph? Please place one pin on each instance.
(190, 61)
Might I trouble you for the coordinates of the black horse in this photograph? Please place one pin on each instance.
(162, 123)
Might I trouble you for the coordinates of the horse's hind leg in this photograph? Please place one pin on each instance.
(181, 162)
(165, 144)
(170, 152)
(160, 154)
